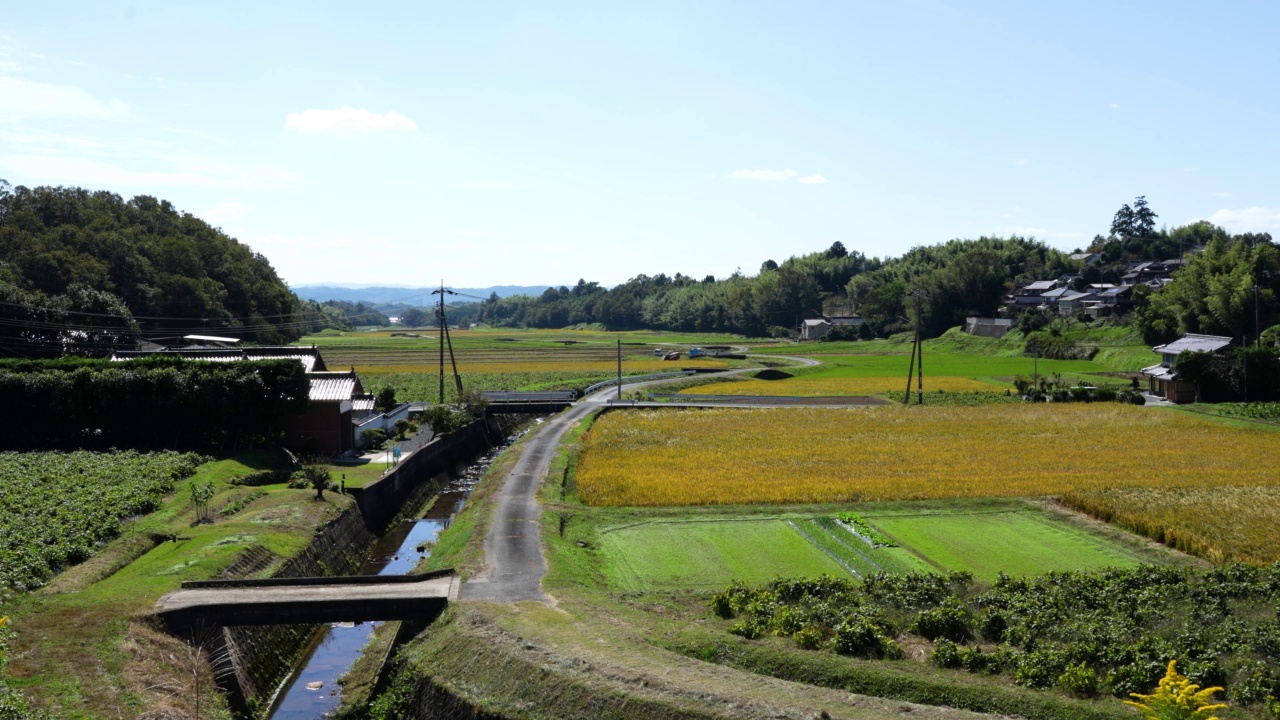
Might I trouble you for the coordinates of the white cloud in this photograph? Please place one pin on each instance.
(771, 175)
(189, 171)
(1252, 219)
(1115, 106)
(813, 180)
(225, 213)
(27, 99)
(486, 185)
(1222, 194)
(347, 120)
(1026, 231)
(1019, 163)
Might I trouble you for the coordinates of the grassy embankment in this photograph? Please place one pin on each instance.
(960, 369)
(85, 648)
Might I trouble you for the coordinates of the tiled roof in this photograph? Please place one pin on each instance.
(1160, 372)
(332, 387)
(362, 403)
(815, 323)
(1192, 342)
(308, 356)
(1042, 285)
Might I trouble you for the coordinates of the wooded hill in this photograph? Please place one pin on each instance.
(962, 277)
(86, 271)
(1228, 287)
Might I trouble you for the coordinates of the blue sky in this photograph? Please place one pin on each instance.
(523, 143)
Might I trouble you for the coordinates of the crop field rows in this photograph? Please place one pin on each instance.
(690, 554)
(58, 506)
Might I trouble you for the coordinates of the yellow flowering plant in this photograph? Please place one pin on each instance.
(1177, 698)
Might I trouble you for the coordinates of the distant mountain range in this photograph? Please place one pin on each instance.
(407, 295)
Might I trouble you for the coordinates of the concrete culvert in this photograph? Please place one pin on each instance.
(772, 374)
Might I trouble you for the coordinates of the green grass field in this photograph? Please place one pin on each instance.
(706, 555)
(1015, 542)
(679, 554)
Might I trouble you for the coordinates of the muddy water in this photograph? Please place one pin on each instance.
(312, 691)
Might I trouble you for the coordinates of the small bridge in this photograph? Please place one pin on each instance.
(532, 403)
(289, 601)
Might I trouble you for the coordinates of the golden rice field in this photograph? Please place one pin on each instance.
(1220, 523)
(605, 367)
(814, 387)
(793, 455)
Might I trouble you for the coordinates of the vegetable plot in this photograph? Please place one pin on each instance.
(58, 506)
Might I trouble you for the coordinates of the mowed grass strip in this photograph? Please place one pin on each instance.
(707, 555)
(947, 365)
(1018, 543)
(794, 455)
(817, 387)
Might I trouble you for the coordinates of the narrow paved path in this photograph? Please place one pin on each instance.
(514, 564)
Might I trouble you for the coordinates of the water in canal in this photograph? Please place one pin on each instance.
(312, 692)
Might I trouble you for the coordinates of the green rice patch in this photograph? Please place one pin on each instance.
(1018, 543)
(706, 555)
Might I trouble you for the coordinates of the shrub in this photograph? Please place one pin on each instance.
(810, 638)
(945, 654)
(373, 439)
(949, 620)
(859, 637)
(1080, 680)
(402, 428)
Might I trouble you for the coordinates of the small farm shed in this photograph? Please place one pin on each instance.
(988, 327)
(327, 426)
(1163, 381)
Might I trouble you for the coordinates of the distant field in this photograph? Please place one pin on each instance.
(703, 554)
(947, 365)
(505, 359)
(777, 456)
(810, 386)
(629, 366)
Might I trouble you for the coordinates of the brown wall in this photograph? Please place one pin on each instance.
(323, 428)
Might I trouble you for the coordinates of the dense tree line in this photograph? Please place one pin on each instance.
(161, 402)
(86, 271)
(1229, 288)
(958, 278)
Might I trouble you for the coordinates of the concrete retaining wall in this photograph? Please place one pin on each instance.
(427, 469)
(261, 657)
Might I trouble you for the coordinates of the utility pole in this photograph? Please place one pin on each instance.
(443, 326)
(1244, 359)
(918, 294)
(1035, 369)
(440, 331)
(619, 368)
(906, 397)
(1257, 335)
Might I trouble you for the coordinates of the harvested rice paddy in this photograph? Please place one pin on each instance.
(784, 456)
